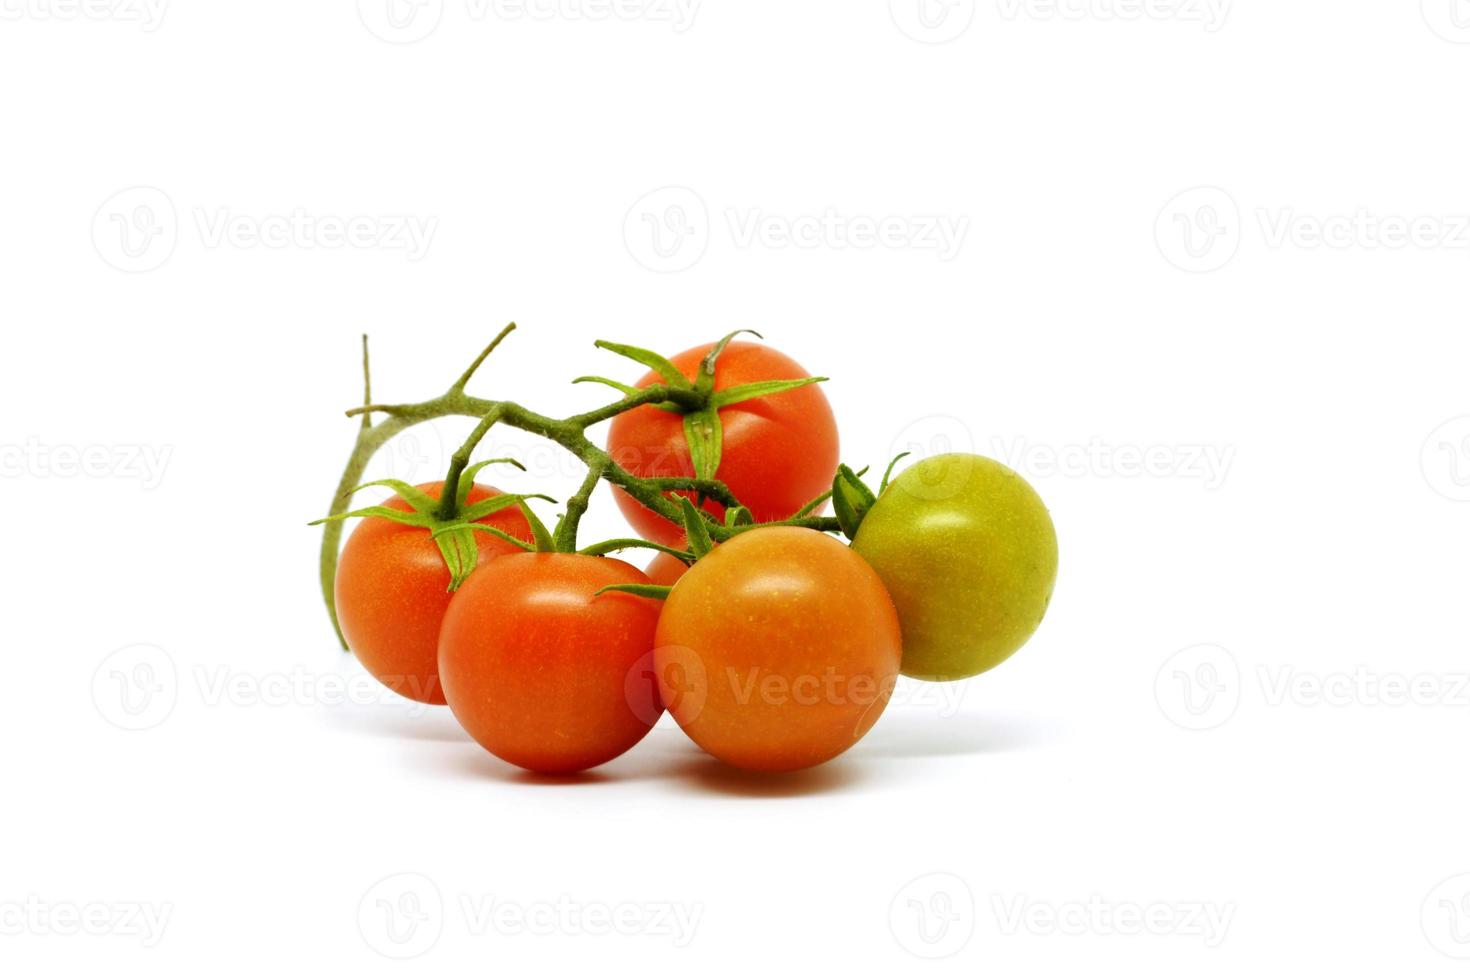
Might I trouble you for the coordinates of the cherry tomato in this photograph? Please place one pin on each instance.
(665, 569)
(779, 452)
(969, 555)
(778, 650)
(541, 670)
(392, 588)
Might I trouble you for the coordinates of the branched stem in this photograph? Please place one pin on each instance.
(570, 433)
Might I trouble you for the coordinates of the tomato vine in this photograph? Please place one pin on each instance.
(697, 401)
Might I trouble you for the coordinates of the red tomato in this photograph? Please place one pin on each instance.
(779, 452)
(541, 670)
(778, 650)
(665, 569)
(392, 589)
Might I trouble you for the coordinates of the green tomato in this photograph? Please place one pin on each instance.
(969, 554)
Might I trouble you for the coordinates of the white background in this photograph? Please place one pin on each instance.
(1235, 249)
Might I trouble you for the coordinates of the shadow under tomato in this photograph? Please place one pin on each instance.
(476, 763)
(918, 733)
(706, 774)
(399, 720)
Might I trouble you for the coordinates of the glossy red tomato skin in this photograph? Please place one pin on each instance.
(665, 569)
(392, 590)
(779, 452)
(542, 671)
(778, 650)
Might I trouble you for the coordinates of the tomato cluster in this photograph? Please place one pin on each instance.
(772, 643)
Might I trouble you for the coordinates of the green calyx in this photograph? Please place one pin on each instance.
(697, 400)
(453, 534)
(545, 540)
(852, 498)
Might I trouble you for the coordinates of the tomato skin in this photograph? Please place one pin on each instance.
(969, 554)
(779, 452)
(392, 589)
(543, 672)
(778, 650)
(665, 569)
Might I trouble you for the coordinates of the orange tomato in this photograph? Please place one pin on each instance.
(778, 650)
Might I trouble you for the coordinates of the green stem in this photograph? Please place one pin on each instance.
(566, 530)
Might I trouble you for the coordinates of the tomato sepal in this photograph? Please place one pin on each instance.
(603, 548)
(695, 531)
(659, 592)
(760, 389)
(653, 361)
(704, 378)
(706, 437)
(888, 473)
(851, 499)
